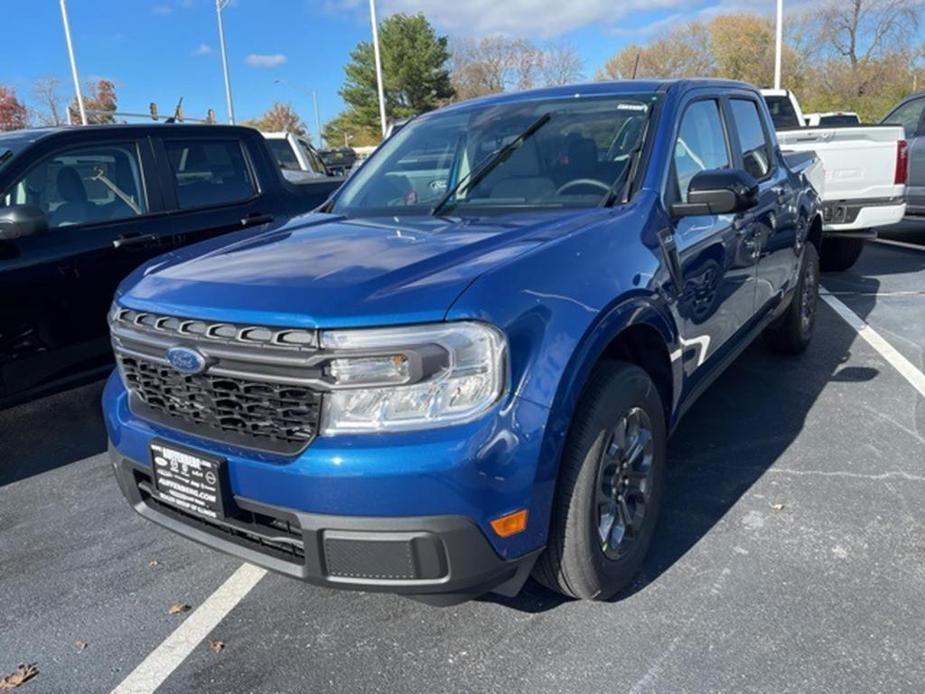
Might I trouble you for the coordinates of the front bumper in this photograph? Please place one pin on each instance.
(441, 560)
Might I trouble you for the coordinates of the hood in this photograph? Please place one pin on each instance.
(330, 271)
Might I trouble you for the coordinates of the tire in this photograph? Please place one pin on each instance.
(792, 332)
(839, 254)
(620, 417)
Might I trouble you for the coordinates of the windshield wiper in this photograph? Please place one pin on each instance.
(479, 173)
(620, 188)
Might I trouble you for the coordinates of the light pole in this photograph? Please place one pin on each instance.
(779, 40)
(70, 54)
(314, 95)
(219, 6)
(372, 18)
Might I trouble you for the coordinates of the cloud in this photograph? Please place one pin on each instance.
(267, 60)
(162, 9)
(548, 19)
(203, 49)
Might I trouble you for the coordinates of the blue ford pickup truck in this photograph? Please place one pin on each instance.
(465, 367)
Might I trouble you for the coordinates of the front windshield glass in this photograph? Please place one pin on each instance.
(570, 160)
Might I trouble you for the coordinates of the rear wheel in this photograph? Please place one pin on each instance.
(839, 254)
(610, 486)
(792, 332)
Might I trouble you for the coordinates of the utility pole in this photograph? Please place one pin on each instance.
(779, 40)
(219, 6)
(70, 53)
(372, 17)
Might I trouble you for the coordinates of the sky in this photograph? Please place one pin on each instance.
(282, 50)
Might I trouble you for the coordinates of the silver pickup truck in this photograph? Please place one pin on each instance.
(864, 185)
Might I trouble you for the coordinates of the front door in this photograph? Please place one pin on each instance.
(58, 285)
(717, 262)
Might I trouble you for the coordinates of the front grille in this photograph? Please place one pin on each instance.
(262, 388)
(276, 417)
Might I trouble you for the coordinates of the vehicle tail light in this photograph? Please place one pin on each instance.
(902, 162)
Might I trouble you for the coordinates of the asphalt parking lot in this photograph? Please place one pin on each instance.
(790, 555)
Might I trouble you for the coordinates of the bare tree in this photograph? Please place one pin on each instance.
(864, 30)
(494, 64)
(46, 93)
(684, 52)
(561, 65)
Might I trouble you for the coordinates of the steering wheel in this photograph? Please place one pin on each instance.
(583, 182)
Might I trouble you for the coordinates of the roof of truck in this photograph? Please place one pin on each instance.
(20, 137)
(641, 86)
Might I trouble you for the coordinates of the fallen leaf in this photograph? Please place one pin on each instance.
(81, 646)
(216, 646)
(179, 608)
(777, 507)
(153, 563)
(19, 676)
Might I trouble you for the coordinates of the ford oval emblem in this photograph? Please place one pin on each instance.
(186, 360)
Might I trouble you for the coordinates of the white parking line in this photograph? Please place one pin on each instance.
(905, 367)
(167, 657)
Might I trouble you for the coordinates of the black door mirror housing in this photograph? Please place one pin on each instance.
(18, 221)
(720, 191)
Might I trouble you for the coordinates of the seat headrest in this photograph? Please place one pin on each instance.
(70, 186)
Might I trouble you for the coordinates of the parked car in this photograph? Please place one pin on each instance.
(339, 161)
(815, 120)
(910, 115)
(297, 158)
(82, 207)
(438, 389)
(865, 176)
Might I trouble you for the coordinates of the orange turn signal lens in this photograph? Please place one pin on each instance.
(511, 524)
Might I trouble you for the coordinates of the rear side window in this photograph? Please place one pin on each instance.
(756, 154)
(908, 115)
(701, 146)
(209, 172)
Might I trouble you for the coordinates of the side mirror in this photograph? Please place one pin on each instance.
(21, 220)
(721, 191)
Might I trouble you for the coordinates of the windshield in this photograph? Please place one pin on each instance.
(569, 160)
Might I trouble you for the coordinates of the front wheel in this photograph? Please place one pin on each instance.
(840, 253)
(610, 485)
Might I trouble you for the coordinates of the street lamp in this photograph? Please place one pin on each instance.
(372, 18)
(70, 54)
(219, 6)
(779, 40)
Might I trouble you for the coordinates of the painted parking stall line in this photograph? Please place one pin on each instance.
(905, 367)
(167, 657)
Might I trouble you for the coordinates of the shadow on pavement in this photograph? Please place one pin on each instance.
(738, 430)
(51, 432)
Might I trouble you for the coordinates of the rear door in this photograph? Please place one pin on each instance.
(210, 186)
(103, 218)
(718, 270)
(911, 116)
(772, 236)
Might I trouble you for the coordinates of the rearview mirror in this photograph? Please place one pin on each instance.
(721, 191)
(18, 221)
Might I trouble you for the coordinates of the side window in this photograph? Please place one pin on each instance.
(908, 116)
(209, 172)
(84, 185)
(756, 154)
(313, 161)
(701, 146)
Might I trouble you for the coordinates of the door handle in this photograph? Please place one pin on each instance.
(256, 218)
(133, 240)
(781, 193)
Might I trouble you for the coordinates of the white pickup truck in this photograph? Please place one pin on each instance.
(864, 186)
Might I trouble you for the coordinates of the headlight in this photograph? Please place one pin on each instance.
(389, 379)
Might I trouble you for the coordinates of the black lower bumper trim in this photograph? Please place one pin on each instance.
(441, 560)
